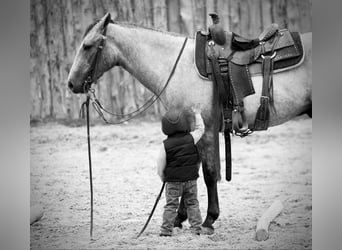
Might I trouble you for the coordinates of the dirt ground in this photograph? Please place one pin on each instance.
(267, 166)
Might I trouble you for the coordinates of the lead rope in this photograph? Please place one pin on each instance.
(154, 207)
(85, 105)
(90, 171)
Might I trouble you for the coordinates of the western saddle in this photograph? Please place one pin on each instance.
(230, 60)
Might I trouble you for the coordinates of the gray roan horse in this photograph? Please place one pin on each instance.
(149, 55)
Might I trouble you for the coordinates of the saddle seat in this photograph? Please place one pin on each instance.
(269, 32)
(242, 43)
(281, 42)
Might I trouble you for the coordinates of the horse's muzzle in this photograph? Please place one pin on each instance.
(76, 89)
(70, 86)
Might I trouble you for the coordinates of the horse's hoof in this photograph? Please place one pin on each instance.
(208, 230)
(178, 224)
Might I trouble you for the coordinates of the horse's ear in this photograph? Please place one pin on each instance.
(106, 19)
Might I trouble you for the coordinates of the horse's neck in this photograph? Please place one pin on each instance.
(147, 54)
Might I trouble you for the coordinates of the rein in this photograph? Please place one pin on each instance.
(91, 97)
(101, 110)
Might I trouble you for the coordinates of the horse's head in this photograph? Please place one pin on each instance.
(89, 63)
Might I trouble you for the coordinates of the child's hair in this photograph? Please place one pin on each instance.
(176, 121)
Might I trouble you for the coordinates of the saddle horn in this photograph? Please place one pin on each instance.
(216, 30)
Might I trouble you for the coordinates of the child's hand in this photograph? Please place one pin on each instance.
(197, 108)
(162, 177)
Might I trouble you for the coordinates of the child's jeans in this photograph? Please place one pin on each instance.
(175, 190)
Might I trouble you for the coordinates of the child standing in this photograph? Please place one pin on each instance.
(178, 165)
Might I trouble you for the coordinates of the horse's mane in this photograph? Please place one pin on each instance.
(131, 25)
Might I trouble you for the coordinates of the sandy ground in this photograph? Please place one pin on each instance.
(267, 166)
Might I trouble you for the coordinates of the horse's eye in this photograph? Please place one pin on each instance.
(86, 46)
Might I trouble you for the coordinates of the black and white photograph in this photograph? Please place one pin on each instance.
(170, 124)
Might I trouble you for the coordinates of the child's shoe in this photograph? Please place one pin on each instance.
(165, 234)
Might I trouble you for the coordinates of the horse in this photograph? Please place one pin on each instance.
(150, 55)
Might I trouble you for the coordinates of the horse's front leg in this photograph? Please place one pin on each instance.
(211, 170)
(213, 203)
(181, 214)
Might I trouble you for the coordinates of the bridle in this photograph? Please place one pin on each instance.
(90, 96)
(92, 78)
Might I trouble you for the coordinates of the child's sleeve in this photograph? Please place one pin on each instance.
(161, 162)
(199, 128)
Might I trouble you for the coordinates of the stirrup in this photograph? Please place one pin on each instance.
(238, 130)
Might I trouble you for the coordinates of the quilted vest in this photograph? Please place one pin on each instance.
(182, 158)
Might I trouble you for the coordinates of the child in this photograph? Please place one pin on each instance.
(178, 165)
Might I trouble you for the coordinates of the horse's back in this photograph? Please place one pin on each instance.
(307, 39)
(307, 44)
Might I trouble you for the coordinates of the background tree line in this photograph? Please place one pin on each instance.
(57, 27)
